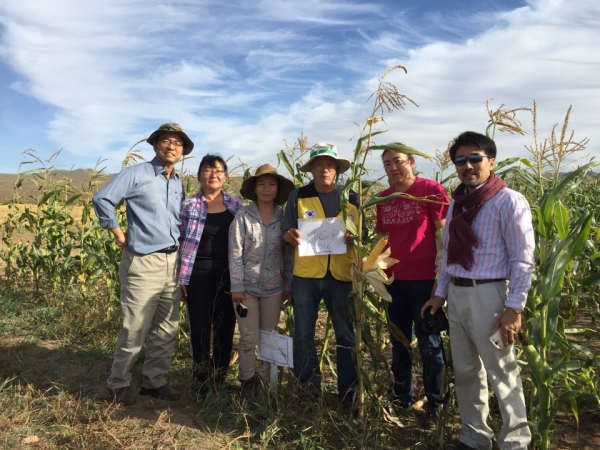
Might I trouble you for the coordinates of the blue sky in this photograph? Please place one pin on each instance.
(93, 78)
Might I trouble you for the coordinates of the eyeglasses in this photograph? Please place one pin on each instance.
(209, 171)
(473, 158)
(396, 163)
(166, 142)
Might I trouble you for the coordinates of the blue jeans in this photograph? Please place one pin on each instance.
(405, 309)
(308, 293)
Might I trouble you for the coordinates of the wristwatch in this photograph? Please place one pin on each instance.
(518, 311)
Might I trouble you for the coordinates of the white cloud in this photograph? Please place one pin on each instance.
(242, 77)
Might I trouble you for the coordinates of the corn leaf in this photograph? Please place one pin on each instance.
(401, 149)
(561, 219)
(550, 197)
(380, 200)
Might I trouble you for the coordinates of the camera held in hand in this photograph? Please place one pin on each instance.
(433, 323)
(242, 310)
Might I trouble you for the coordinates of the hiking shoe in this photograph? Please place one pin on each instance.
(162, 393)
(251, 388)
(123, 395)
(347, 398)
(432, 418)
(349, 402)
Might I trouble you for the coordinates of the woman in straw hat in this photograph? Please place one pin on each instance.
(260, 266)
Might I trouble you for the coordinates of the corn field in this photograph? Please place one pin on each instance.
(53, 248)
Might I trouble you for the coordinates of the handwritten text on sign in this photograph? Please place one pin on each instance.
(321, 237)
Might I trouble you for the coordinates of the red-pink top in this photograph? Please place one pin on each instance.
(411, 227)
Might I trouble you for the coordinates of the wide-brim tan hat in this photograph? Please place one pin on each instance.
(324, 149)
(283, 191)
(171, 127)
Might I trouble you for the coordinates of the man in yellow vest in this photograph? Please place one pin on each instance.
(325, 276)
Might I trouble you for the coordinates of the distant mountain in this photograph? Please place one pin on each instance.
(79, 179)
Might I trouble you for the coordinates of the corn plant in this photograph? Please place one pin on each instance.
(368, 277)
(562, 235)
(560, 240)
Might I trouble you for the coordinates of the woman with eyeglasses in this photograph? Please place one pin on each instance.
(204, 273)
(411, 225)
(261, 266)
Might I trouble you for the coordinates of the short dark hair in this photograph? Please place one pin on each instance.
(473, 139)
(396, 143)
(209, 160)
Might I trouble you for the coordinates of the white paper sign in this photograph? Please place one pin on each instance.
(321, 237)
(275, 348)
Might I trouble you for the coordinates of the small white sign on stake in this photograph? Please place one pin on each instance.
(275, 348)
(321, 237)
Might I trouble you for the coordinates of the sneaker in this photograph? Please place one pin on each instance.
(162, 393)
(123, 395)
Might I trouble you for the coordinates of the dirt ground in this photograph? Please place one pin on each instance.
(82, 372)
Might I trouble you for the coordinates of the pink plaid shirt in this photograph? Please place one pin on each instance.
(193, 218)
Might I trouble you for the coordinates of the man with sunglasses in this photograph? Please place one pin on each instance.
(485, 276)
(149, 264)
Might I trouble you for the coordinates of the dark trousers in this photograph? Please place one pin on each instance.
(408, 297)
(210, 315)
(308, 293)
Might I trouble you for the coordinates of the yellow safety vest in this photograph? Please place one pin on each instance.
(309, 205)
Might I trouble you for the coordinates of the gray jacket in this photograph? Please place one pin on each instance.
(259, 261)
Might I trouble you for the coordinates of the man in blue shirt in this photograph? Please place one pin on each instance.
(149, 264)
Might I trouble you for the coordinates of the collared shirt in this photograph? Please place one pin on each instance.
(153, 206)
(505, 247)
(193, 217)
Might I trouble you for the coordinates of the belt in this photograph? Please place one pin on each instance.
(171, 249)
(467, 282)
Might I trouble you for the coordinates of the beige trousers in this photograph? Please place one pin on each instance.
(150, 311)
(263, 314)
(472, 312)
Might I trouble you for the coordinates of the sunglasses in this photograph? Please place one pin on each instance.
(474, 158)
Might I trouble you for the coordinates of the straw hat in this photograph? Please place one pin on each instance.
(283, 191)
(171, 127)
(324, 149)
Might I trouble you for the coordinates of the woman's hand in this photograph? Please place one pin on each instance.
(237, 297)
(183, 289)
(288, 299)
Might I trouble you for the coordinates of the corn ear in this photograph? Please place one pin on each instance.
(540, 371)
(375, 252)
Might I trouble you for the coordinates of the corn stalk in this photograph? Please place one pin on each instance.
(560, 240)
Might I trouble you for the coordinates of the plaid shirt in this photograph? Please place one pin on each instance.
(193, 218)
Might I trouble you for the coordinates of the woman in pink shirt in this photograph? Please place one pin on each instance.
(411, 225)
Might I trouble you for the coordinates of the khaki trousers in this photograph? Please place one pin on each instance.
(472, 312)
(263, 314)
(150, 311)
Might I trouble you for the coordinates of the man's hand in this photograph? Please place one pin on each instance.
(183, 289)
(237, 297)
(292, 237)
(435, 302)
(120, 237)
(348, 238)
(288, 298)
(510, 324)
